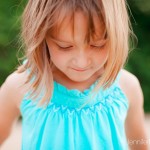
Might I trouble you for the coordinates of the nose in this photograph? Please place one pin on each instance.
(82, 60)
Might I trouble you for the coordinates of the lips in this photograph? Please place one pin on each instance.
(79, 69)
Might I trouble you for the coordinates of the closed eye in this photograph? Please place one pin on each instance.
(97, 46)
(64, 47)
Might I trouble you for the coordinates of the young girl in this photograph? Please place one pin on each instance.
(71, 90)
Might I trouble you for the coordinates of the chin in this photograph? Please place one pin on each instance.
(79, 79)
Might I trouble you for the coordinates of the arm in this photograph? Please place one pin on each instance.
(10, 96)
(135, 123)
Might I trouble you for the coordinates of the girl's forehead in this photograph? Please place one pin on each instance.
(79, 26)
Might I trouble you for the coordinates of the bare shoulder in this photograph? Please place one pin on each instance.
(128, 79)
(130, 85)
(13, 87)
(11, 94)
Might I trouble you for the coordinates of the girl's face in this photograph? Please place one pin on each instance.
(72, 56)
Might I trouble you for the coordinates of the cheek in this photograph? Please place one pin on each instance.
(102, 57)
(59, 59)
(105, 55)
(56, 56)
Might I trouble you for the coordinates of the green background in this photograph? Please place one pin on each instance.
(138, 62)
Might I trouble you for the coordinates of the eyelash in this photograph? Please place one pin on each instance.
(64, 48)
(97, 47)
(69, 48)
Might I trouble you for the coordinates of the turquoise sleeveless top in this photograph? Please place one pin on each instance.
(64, 125)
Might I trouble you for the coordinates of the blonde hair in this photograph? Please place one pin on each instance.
(41, 16)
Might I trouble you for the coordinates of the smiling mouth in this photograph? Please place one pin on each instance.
(81, 70)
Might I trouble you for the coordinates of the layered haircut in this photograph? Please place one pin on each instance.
(45, 16)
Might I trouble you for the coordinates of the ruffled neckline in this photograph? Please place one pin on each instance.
(74, 92)
(75, 98)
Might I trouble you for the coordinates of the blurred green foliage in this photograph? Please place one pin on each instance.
(139, 59)
(10, 11)
(138, 62)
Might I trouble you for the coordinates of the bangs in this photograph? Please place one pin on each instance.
(67, 10)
